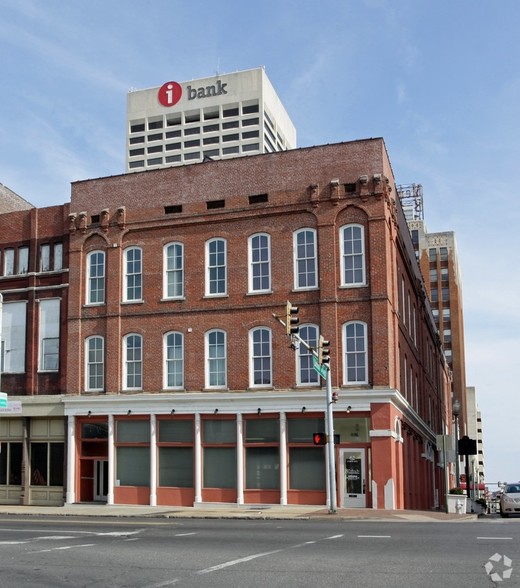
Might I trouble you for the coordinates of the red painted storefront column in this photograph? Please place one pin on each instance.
(386, 458)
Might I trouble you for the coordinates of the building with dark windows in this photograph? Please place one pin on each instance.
(34, 283)
(223, 116)
(439, 262)
(181, 386)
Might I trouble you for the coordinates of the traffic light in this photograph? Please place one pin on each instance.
(291, 319)
(323, 351)
(319, 438)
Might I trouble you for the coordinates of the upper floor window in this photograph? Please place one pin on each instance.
(96, 277)
(260, 263)
(133, 362)
(173, 360)
(133, 268)
(48, 264)
(13, 333)
(355, 366)
(174, 270)
(352, 255)
(45, 258)
(216, 278)
(95, 363)
(49, 334)
(305, 266)
(306, 372)
(8, 262)
(23, 260)
(261, 357)
(216, 360)
(58, 256)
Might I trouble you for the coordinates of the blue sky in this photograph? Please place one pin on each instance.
(439, 81)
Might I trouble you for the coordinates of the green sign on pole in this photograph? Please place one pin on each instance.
(321, 369)
(3, 400)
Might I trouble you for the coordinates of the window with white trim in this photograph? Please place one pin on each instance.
(96, 277)
(14, 319)
(49, 334)
(95, 363)
(216, 271)
(174, 270)
(352, 239)
(355, 356)
(260, 263)
(216, 360)
(173, 360)
(260, 372)
(133, 362)
(305, 259)
(133, 272)
(306, 372)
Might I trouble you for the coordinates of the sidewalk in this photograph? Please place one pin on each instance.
(225, 511)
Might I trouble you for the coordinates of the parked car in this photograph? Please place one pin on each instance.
(510, 500)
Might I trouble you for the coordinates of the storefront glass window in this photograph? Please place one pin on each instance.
(220, 467)
(262, 468)
(307, 468)
(176, 467)
(133, 466)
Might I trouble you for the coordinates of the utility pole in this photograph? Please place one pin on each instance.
(321, 359)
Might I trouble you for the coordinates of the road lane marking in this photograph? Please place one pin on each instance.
(234, 562)
(257, 555)
(64, 547)
(183, 534)
(497, 538)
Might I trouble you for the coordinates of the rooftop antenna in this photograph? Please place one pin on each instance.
(217, 73)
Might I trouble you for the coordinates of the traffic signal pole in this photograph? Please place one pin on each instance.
(330, 445)
(290, 324)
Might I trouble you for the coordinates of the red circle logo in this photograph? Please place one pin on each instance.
(169, 93)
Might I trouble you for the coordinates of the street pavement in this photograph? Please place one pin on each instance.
(232, 511)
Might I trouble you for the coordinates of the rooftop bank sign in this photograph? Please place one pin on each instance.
(171, 92)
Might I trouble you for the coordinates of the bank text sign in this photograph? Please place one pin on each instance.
(170, 93)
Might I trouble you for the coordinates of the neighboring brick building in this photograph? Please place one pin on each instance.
(181, 386)
(33, 289)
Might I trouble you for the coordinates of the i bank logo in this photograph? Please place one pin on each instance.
(169, 93)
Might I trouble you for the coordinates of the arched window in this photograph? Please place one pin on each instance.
(216, 360)
(306, 372)
(133, 362)
(305, 259)
(133, 274)
(216, 270)
(260, 263)
(352, 240)
(96, 277)
(174, 270)
(95, 363)
(173, 360)
(261, 372)
(355, 364)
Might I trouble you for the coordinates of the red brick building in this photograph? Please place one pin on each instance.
(33, 287)
(181, 387)
(176, 364)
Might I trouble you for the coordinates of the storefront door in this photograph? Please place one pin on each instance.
(353, 483)
(100, 480)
